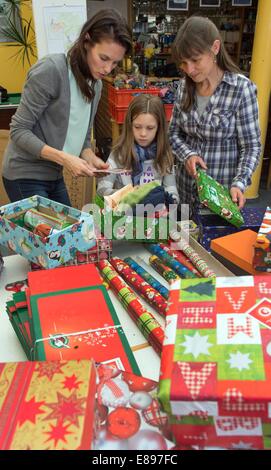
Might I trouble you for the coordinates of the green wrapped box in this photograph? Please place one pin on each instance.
(217, 198)
(127, 226)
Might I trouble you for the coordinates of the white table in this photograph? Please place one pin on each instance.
(16, 268)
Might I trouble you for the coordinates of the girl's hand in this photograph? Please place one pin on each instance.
(191, 165)
(237, 196)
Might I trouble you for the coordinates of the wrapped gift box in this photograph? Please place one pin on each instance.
(217, 198)
(47, 405)
(215, 368)
(128, 414)
(235, 251)
(212, 226)
(51, 251)
(126, 226)
(262, 247)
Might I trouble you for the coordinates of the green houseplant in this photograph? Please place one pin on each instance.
(19, 31)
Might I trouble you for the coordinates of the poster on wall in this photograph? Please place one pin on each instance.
(57, 24)
(241, 3)
(178, 5)
(209, 3)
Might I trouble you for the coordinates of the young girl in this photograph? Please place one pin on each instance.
(142, 149)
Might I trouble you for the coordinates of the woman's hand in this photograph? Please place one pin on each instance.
(94, 162)
(84, 166)
(237, 196)
(77, 166)
(191, 165)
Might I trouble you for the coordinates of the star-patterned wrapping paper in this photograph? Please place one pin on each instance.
(47, 405)
(216, 362)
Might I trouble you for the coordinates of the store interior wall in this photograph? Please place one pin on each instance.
(94, 6)
(12, 72)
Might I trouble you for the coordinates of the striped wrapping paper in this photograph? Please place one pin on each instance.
(197, 261)
(181, 257)
(167, 273)
(145, 321)
(173, 263)
(144, 289)
(141, 268)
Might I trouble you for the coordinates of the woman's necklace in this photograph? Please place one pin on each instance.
(209, 89)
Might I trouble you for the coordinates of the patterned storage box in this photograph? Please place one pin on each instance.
(55, 249)
(262, 247)
(101, 250)
(212, 226)
(216, 366)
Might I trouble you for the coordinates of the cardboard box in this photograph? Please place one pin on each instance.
(236, 251)
(215, 365)
(212, 226)
(129, 227)
(55, 249)
(262, 247)
(215, 265)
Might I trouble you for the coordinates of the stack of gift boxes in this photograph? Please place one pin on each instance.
(215, 368)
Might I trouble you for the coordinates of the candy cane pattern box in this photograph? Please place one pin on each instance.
(216, 363)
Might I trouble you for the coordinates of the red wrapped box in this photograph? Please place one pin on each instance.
(216, 366)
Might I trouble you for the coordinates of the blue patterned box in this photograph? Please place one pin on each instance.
(51, 251)
(212, 226)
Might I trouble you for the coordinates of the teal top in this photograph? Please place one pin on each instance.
(78, 119)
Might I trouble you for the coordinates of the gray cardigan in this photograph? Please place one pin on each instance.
(42, 118)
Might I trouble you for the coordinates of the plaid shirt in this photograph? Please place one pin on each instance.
(226, 135)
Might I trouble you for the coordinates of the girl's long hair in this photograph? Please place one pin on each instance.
(124, 151)
(196, 36)
(107, 24)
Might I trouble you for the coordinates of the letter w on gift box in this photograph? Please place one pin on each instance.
(262, 312)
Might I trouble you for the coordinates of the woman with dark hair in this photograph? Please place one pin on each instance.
(53, 122)
(215, 117)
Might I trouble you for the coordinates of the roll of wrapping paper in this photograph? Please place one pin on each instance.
(143, 288)
(174, 264)
(197, 261)
(181, 257)
(144, 320)
(139, 269)
(167, 273)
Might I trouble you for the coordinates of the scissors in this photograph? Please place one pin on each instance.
(16, 286)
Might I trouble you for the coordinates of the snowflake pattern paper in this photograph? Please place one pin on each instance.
(216, 363)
